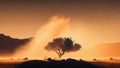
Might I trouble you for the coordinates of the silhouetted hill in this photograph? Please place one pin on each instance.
(8, 44)
(106, 50)
(69, 63)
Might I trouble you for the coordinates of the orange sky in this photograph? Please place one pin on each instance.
(92, 22)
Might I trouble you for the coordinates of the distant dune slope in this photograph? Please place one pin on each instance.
(106, 50)
(8, 44)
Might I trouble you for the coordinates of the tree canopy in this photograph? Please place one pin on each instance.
(62, 45)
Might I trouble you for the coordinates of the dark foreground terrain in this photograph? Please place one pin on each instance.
(69, 63)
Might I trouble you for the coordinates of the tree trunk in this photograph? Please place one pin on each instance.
(59, 53)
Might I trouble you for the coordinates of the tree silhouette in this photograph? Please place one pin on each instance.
(62, 45)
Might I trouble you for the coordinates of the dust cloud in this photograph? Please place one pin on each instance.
(35, 48)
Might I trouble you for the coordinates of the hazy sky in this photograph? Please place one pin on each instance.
(92, 21)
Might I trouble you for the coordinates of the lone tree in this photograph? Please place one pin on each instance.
(62, 45)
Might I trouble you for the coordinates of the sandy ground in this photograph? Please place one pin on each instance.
(10, 63)
(7, 63)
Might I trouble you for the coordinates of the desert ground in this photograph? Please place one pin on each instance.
(105, 63)
(8, 63)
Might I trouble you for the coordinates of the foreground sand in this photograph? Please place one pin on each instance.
(104, 63)
(10, 63)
